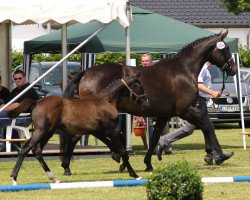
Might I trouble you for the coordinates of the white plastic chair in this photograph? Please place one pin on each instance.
(23, 129)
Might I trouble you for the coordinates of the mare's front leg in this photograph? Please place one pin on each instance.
(31, 143)
(158, 129)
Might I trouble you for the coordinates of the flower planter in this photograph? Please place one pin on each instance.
(139, 130)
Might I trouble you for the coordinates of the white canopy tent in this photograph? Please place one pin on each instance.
(63, 12)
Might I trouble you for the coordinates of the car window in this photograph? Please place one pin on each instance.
(55, 76)
(34, 74)
(217, 75)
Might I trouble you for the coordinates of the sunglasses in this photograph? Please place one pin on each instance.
(20, 78)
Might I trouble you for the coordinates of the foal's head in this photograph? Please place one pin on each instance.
(129, 86)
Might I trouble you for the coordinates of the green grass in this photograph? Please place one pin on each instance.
(190, 149)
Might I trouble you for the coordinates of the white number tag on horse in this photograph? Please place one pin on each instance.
(220, 45)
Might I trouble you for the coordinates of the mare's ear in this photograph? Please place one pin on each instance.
(138, 75)
(223, 35)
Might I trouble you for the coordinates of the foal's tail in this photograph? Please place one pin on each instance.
(25, 106)
(69, 91)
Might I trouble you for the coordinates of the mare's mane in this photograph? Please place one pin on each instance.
(188, 47)
(107, 92)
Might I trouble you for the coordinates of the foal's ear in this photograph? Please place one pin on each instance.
(223, 35)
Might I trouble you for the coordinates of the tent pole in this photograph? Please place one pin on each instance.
(5, 55)
(64, 53)
(240, 100)
(54, 66)
(128, 116)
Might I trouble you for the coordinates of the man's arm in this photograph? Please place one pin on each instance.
(203, 88)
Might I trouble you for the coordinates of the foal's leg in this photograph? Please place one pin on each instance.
(115, 139)
(37, 151)
(31, 143)
(116, 157)
(158, 129)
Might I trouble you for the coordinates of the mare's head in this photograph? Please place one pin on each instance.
(131, 87)
(220, 55)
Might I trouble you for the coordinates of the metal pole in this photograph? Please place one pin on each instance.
(64, 53)
(128, 116)
(240, 100)
(57, 64)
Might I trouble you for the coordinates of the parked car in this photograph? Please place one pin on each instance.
(50, 84)
(226, 108)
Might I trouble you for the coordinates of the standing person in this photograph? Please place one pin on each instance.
(21, 83)
(146, 61)
(4, 98)
(213, 148)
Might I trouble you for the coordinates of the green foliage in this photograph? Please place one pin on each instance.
(17, 58)
(109, 57)
(237, 6)
(245, 57)
(175, 181)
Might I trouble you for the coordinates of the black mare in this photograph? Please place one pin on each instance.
(89, 115)
(170, 85)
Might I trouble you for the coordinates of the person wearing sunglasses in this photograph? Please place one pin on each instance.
(21, 83)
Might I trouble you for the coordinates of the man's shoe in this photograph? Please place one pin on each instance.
(223, 157)
(158, 150)
(208, 159)
(168, 150)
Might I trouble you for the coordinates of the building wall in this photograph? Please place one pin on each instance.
(242, 34)
(21, 33)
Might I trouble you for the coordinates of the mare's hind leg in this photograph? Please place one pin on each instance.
(31, 143)
(37, 151)
(68, 152)
(67, 155)
(158, 129)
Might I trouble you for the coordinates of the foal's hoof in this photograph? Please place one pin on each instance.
(14, 182)
(122, 168)
(149, 169)
(116, 157)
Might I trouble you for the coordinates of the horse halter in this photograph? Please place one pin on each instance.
(221, 45)
(137, 96)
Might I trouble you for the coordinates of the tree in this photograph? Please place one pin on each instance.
(237, 6)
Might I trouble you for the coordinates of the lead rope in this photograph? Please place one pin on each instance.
(223, 83)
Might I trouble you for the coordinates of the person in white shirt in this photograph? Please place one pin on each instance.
(213, 148)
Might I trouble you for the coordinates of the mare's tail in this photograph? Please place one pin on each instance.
(25, 105)
(71, 86)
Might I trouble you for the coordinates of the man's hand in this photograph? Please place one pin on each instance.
(216, 94)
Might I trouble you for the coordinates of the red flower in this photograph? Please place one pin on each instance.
(139, 121)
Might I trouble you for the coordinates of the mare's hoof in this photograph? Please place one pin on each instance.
(139, 178)
(67, 173)
(149, 169)
(116, 157)
(122, 168)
